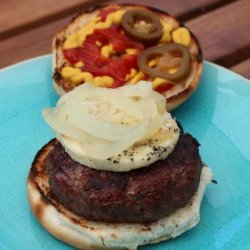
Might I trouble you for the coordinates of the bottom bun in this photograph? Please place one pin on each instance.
(84, 234)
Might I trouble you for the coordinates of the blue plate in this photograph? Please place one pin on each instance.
(218, 115)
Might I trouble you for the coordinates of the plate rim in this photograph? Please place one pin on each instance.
(47, 56)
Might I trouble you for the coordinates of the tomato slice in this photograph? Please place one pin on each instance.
(164, 87)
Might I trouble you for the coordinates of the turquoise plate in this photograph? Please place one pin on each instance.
(218, 115)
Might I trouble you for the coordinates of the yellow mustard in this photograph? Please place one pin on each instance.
(115, 17)
(107, 50)
(82, 77)
(182, 36)
(79, 64)
(76, 39)
(98, 43)
(131, 74)
(69, 72)
(137, 77)
(153, 62)
(166, 32)
(131, 51)
(103, 81)
(76, 76)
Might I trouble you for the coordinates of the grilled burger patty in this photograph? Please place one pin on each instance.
(140, 196)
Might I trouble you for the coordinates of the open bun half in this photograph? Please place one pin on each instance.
(88, 235)
(175, 96)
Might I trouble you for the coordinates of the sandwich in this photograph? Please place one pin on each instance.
(121, 172)
(111, 46)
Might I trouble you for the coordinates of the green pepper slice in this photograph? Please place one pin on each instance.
(142, 25)
(170, 51)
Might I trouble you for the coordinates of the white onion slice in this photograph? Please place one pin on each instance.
(101, 148)
(96, 127)
(105, 122)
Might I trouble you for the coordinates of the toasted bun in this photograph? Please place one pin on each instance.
(85, 234)
(175, 96)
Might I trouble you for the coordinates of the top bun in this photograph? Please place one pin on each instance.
(64, 45)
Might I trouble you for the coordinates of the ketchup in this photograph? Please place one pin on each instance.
(117, 66)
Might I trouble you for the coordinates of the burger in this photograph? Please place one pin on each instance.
(110, 46)
(121, 172)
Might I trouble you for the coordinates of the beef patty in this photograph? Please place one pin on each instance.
(140, 196)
